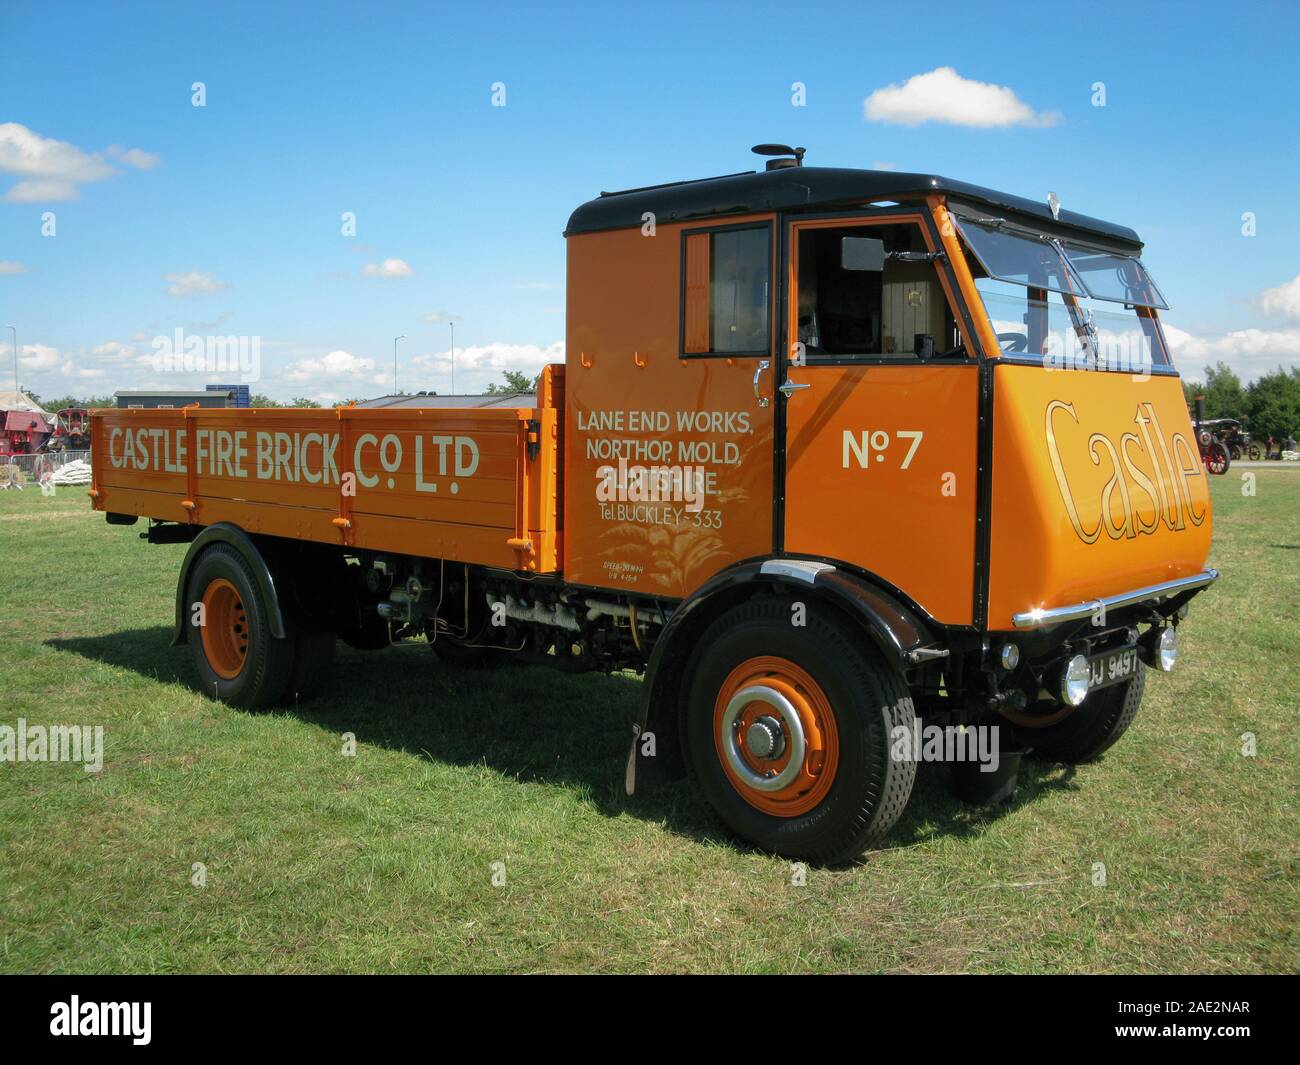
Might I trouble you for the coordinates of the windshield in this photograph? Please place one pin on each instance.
(1057, 301)
(1115, 278)
(1020, 258)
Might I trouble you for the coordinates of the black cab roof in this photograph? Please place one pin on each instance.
(809, 188)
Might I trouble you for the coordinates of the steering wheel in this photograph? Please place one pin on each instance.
(1013, 342)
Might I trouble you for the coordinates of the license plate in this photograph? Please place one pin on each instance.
(1111, 667)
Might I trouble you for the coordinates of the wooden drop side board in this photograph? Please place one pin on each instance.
(479, 486)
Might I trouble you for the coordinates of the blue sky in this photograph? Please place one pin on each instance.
(226, 218)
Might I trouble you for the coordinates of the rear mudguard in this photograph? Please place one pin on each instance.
(900, 632)
(234, 536)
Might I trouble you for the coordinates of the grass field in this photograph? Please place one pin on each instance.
(385, 861)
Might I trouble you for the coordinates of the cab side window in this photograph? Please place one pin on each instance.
(849, 308)
(727, 291)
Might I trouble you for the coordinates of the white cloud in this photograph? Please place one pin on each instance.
(133, 157)
(337, 364)
(71, 369)
(42, 192)
(1249, 352)
(52, 170)
(114, 349)
(477, 366)
(1283, 301)
(11, 266)
(495, 356)
(389, 268)
(34, 357)
(943, 95)
(28, 154)
(41, 362)
(194, 283)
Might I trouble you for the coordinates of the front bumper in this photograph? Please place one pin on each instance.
(1039, 618)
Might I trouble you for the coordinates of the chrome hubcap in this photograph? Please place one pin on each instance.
(765, 738)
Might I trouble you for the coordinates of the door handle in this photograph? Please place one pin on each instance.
(791, 387)
(763, 366)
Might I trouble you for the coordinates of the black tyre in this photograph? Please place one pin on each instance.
(237, 659)
(1091, 729)
(752, 675)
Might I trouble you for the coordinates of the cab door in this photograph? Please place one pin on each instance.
(667, 385)
(878, 397)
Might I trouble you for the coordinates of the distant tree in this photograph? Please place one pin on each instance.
(259, 399)
(1224, 396)
(1273, 405)
(515, 381)
(303, 401)
(58, 403)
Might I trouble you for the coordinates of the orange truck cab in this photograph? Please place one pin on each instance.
(836, 457)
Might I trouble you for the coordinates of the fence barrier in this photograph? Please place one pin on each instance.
(58, 469)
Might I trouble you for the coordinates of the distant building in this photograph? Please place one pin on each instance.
(240, 393)
(157, 398)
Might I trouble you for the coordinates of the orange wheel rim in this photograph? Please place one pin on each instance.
(775, 736)
(225, 629)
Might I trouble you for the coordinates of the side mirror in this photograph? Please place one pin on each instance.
(862, 253)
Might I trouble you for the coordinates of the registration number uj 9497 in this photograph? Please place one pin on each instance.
(1111, 667)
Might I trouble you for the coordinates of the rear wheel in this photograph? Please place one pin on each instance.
(787, 732)
(237, 658)
(1255, 453)
(1086, 732)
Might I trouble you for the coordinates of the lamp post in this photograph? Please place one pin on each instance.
(395, 340)
(14, 347)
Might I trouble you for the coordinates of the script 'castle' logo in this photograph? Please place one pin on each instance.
(1144, 463)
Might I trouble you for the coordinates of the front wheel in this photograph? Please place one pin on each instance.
(787, 731)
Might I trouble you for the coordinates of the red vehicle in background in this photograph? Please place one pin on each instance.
(71, 430)
(1214, 452)
(25, 432)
